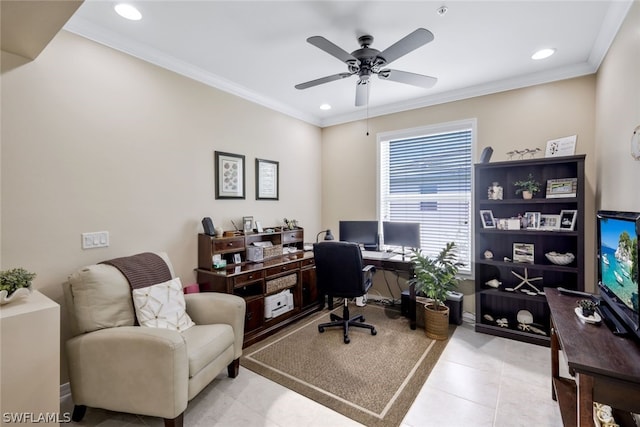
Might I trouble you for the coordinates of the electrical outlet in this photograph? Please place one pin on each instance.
(96, 239)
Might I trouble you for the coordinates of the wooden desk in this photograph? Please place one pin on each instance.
(606, 367)
(399, 265)
(253, 280)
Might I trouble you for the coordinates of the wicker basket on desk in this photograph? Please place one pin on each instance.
(280, 283)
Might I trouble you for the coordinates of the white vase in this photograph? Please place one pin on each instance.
(527, 194)
(16, 295)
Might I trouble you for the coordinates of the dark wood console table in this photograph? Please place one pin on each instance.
(606, 367)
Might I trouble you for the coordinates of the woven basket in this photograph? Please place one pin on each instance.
(283, 282)
(436, 323)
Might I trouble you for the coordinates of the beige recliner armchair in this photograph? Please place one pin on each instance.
(119, 366)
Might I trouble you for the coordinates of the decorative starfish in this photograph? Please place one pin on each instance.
(527, 281)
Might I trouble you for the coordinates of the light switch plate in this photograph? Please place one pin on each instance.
(95, 239)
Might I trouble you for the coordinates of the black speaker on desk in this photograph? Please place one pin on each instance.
(207, 224)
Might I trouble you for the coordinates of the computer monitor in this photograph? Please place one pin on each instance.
(362, 232)
(405, 234)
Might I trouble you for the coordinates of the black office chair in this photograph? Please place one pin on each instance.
(340, 273)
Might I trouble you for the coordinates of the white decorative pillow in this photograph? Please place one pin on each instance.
(162, 306)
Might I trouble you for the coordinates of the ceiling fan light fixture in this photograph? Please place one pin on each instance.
(128, 11)
(543, 53)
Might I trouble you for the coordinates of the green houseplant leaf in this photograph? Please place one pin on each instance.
(529, 184)
(14, 279)
(435, 277)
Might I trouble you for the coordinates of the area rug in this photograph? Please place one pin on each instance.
(373, 380)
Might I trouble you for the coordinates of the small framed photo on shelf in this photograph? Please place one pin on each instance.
(549, 222)
(532, 220)
(247, 224)
(523, 252)
(487, 219)
(237, 259)
(568, 220)
(560, 188)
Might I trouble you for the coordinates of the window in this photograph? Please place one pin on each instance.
(424, 176)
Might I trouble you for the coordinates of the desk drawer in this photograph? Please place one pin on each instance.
(282, 268)
(241, 279)
(309, 262)
(230, 244)
(291, 236)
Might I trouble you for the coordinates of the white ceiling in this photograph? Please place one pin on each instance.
(258, 49)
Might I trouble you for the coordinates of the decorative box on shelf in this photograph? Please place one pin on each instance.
(259, 251)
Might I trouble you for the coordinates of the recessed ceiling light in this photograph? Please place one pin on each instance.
(325, 107)
(543, 53)
(127, 11)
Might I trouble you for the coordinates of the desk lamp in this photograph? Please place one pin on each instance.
(328, 235)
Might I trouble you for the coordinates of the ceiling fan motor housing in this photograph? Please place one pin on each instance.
(366, 61)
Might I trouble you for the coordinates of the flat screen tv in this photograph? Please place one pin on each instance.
(364, 233)
(618, 276)
(405, 234)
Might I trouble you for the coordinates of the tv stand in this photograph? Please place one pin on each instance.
(606, 367)
(612, 322)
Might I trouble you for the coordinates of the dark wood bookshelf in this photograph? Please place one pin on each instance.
(499, 303)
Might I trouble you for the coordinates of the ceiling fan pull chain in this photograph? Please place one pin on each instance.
(367, 110)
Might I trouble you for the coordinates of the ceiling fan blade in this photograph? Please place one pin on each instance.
(413, 79)
(332, 49)
(362, 93)
(323, 80)
(405, 45)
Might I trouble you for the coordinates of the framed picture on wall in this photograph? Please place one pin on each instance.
(229, 175)
(267, 185)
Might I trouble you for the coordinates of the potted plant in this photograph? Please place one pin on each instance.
(588, 307)
(527, 187)
(14, 284)
(434, 278)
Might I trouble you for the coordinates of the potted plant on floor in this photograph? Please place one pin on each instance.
(527, 187)
(434, 278)
(14, 284)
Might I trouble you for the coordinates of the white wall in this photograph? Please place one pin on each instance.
(618, 114)
(94, 139)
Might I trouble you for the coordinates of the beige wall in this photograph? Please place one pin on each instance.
(517, 119)
(617, 115)
(93, 139)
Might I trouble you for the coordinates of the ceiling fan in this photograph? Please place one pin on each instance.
(366, 61)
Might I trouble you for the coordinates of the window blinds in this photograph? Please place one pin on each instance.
(427, 179)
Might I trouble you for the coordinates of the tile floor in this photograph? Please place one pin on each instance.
(479, 380)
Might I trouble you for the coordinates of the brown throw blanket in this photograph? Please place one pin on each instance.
(142, 270)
